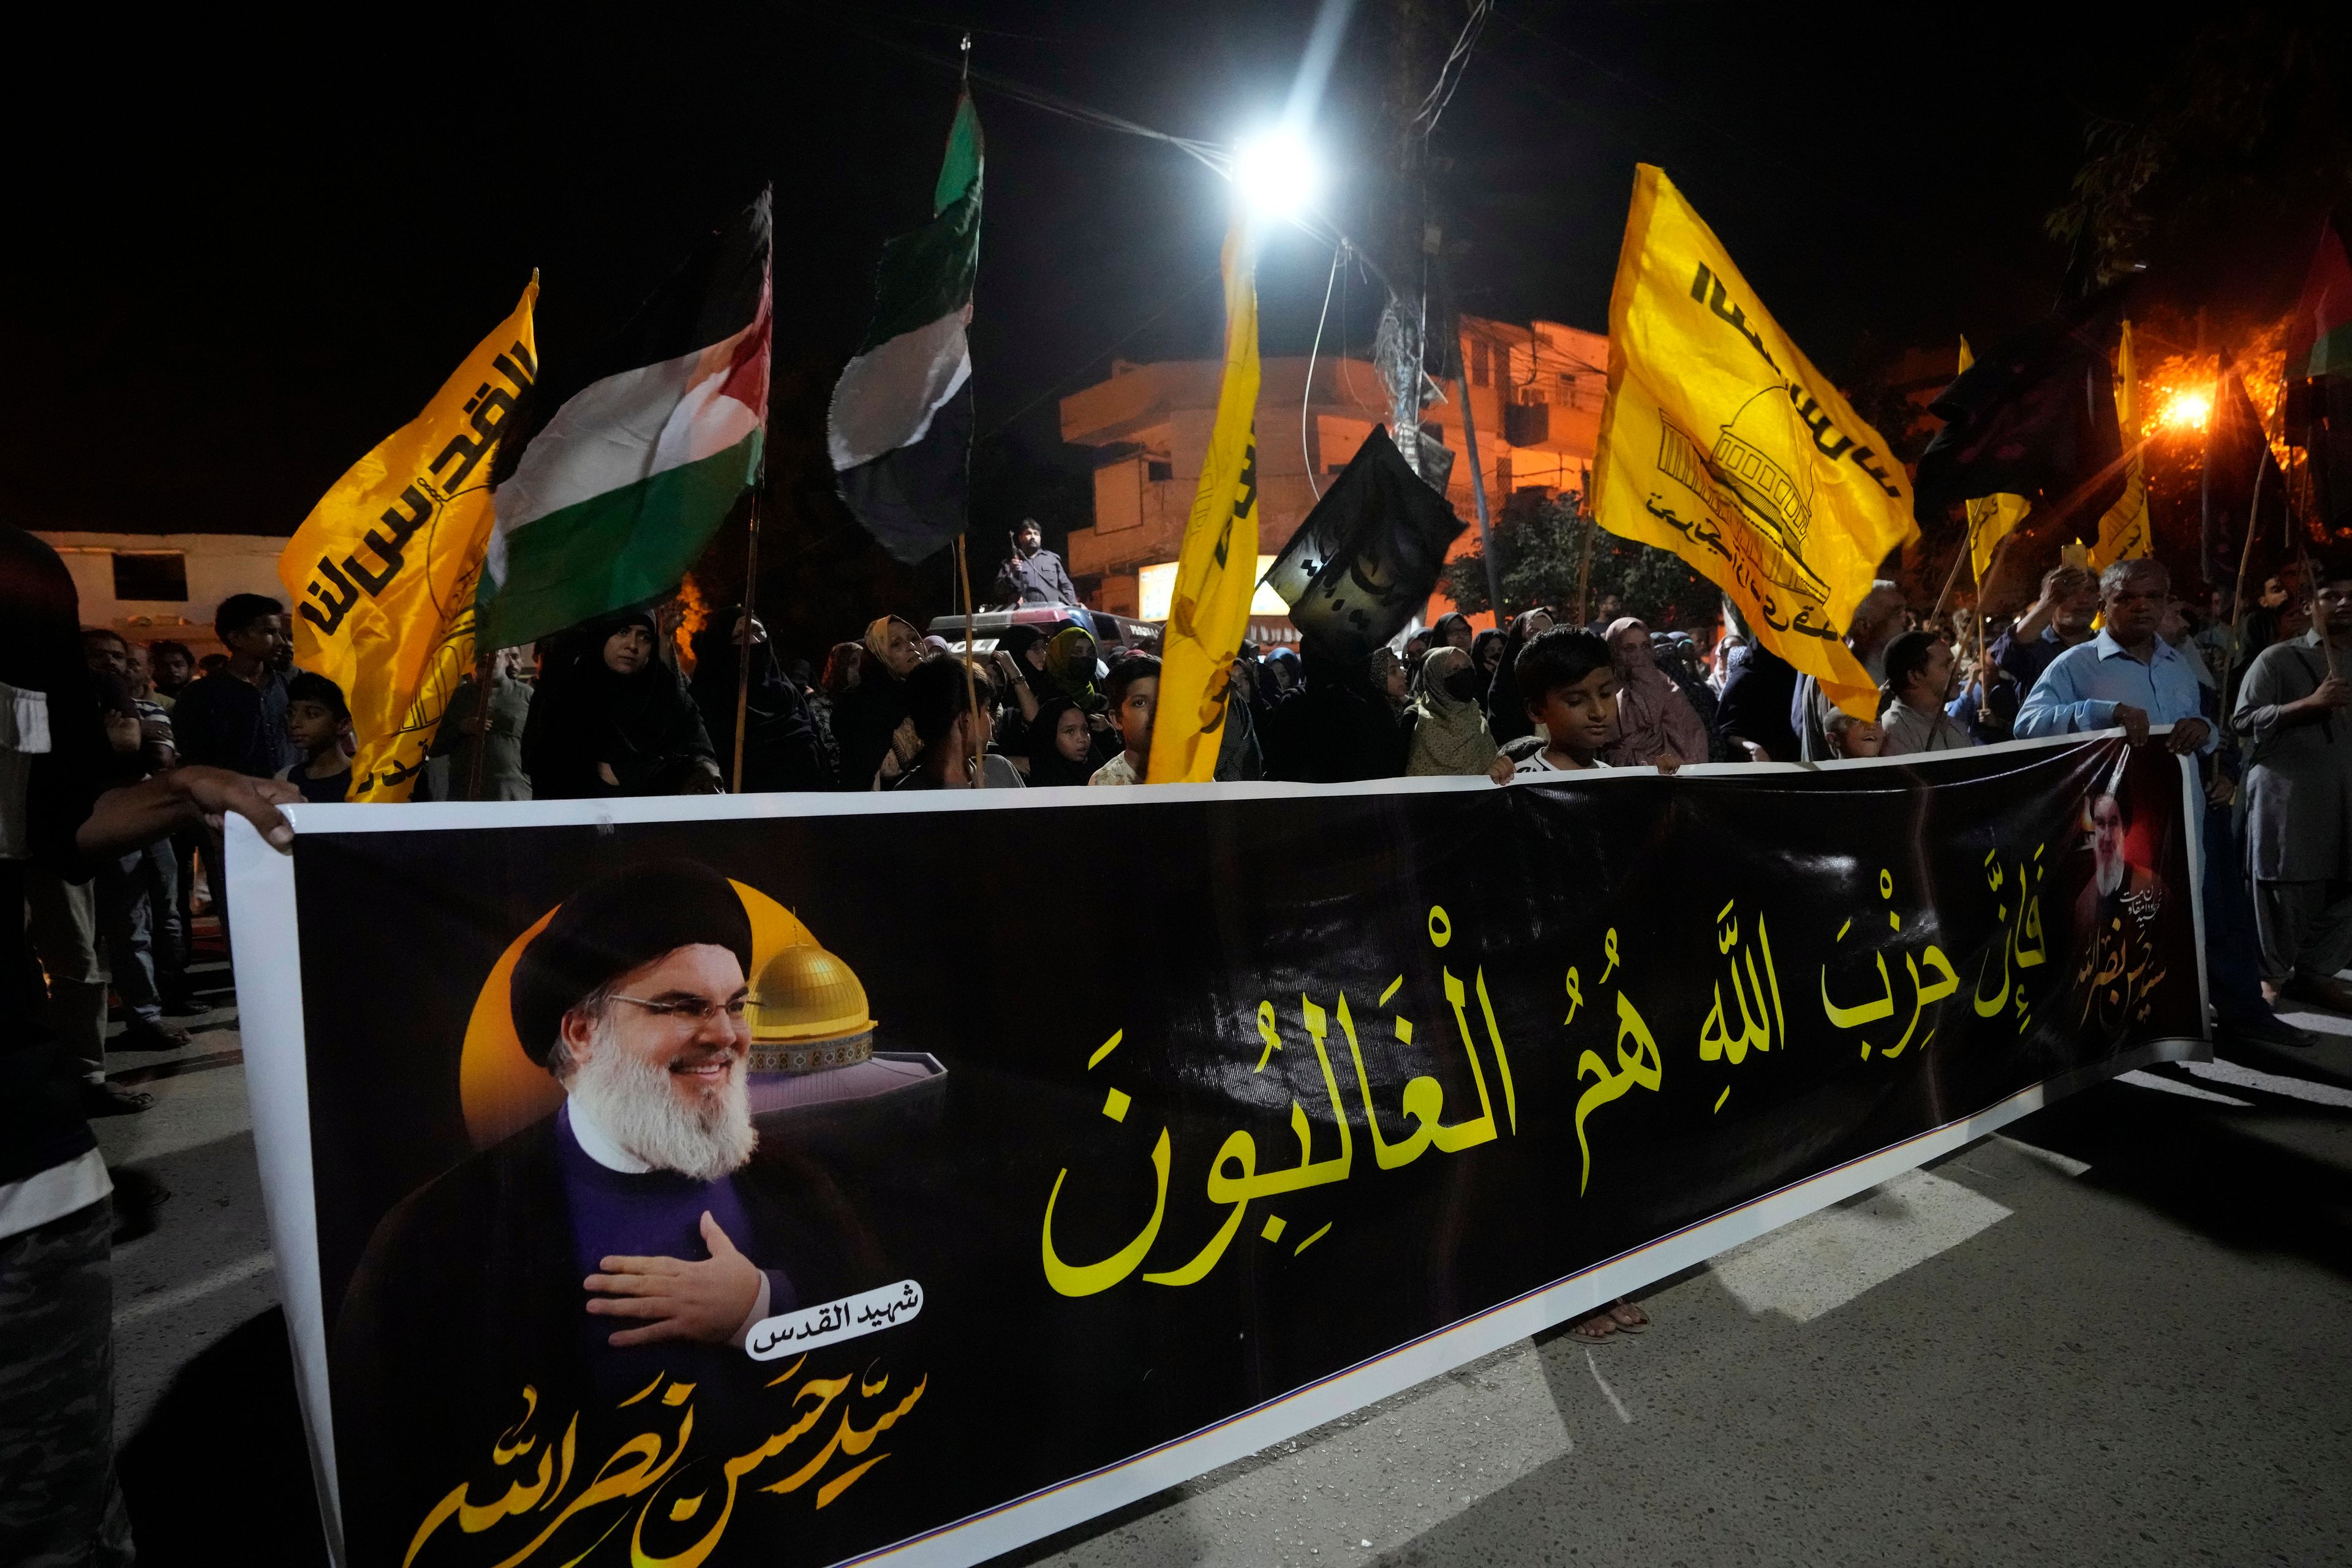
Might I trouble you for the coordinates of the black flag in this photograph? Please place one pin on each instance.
(1365, 559)
(2035, 418)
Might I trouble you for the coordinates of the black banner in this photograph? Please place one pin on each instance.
(1103, 1135)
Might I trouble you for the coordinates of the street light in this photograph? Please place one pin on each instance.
(1277, 175)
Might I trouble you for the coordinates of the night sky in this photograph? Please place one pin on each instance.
(257, 257)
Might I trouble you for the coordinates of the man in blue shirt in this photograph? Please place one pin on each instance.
(2125, 676)
(2129, 676)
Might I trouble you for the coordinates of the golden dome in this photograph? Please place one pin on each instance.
(805, 997)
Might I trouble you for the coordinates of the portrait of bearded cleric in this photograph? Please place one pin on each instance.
(2118, 964)
(638, 1231)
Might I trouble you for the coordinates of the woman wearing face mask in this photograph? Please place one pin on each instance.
(1449, 735)
(611, 719)
(870, 719)
(1654, 717)
(1061, 746)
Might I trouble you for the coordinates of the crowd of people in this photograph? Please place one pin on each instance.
(623, 706)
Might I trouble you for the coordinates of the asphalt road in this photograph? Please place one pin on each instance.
(2118, 1333)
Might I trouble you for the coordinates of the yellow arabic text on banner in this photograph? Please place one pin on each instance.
(1721, 442)
(2125, 533)
(1216, 570)
(383, 572)
(1992, 517)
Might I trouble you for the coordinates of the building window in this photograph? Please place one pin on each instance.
(1159, 469)
(150, 574)
(1481, 364)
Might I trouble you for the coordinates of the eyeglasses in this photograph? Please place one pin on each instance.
(701, 1009)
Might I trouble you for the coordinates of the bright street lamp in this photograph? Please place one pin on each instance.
(1277, 174)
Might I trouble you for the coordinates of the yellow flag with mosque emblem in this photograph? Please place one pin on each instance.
(383, 572)
(1216, 569)
(1993, 518)
(2126, 533)
(1722, 444)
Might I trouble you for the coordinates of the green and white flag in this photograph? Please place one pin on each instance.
(622, 485)
(900, 429)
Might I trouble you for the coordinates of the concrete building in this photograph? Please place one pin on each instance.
(1535, 392)
(155, 585)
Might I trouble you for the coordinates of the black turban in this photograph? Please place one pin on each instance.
(612, 926)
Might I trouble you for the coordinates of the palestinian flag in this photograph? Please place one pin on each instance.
(900, 429)
(2319, 380)
(635, 461)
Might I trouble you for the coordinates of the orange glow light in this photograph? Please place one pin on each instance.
(2185, 409)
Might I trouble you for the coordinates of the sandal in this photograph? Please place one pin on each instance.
(1593, 1330)
(1627, 1317)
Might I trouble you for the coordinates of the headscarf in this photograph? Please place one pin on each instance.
(1384, 660)
(867, 714)
(841, 671)
(781, 750)
(1449, 735)
(1507, 711)
(1653, 717)
(877, 633)
(1075, 677)
(643, 726)
(1048, 768)
(1017, 641)
(1444, 623)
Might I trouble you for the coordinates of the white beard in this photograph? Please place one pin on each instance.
(2109, 875)
(634, 1102)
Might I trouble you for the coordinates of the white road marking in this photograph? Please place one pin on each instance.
(1370, 1482)
(2188, 1090)
(2065, 1164)
(1614, 1402)
(1826, 1259)
(2270, 1083)
(194, 1291)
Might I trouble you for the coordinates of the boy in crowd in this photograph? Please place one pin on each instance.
(943, 703)
(1853, 737)
(1133, 690)
(236, 718)
(317, 720)
(1570, 690)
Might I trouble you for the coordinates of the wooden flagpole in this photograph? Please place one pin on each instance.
(481, 716)
(743, 638)
(978, 763)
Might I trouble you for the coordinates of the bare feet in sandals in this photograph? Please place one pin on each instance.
(1627, 1317)
(1594, 1329)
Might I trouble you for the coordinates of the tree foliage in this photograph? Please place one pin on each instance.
(1539, 548)
(2253, 114)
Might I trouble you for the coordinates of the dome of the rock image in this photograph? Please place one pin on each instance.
(807, 1011)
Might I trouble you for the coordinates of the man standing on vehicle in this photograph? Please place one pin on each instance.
(1032, 574)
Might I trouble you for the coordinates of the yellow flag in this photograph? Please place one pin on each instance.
(1216, 570)
(2124, 531)
(1721, 442)
(1992, 517)
(383, 571)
